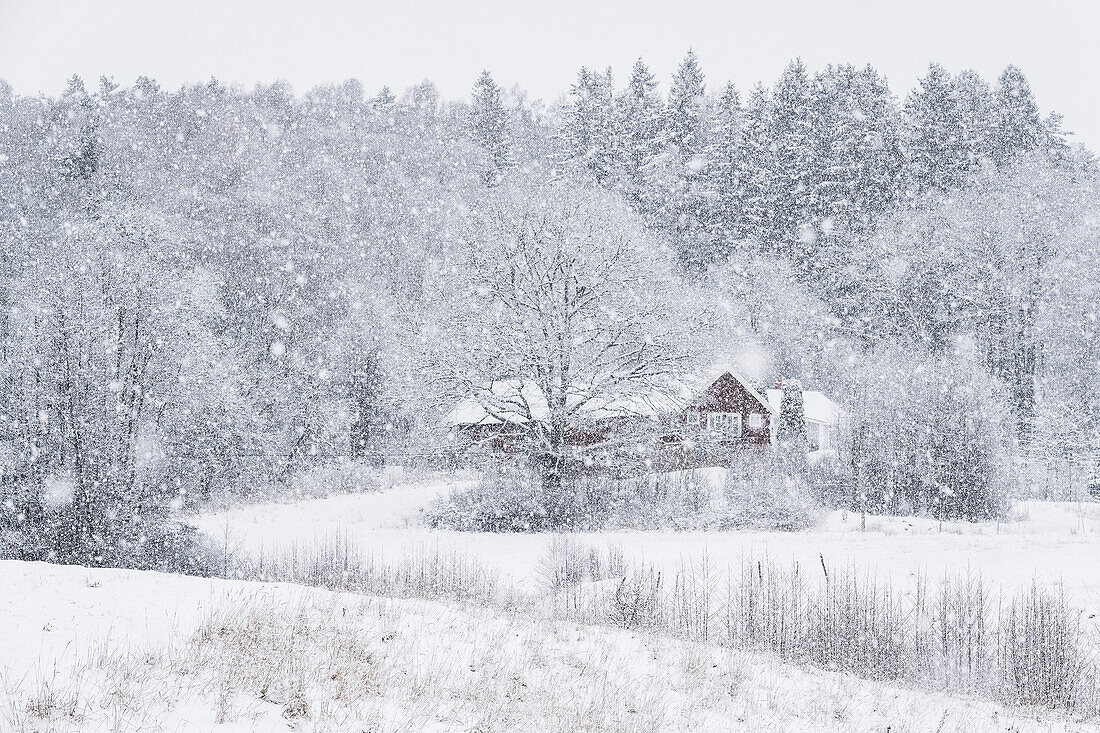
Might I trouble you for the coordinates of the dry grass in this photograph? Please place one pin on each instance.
(959, 637)
(339, 662)
(699, 648)
(336, 562)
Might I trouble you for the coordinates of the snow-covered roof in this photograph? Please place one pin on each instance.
(749, 388)
(818, 407)
(516, 402)
(695, 386)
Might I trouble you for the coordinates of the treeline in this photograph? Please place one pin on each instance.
(796, 166)
(205, 291)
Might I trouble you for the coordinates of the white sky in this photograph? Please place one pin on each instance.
(541, 45)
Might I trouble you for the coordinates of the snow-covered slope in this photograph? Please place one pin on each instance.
(98, 650)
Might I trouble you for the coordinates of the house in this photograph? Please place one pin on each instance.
(706, 425)
(729, 416)
(497, 418)
(500, 417)
(728, 411)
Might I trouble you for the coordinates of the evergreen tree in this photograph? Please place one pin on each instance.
(489, 127)
(790, 433)
(640, 120)
(82, 151)
(590, 129)
(832, 140)
(856, 143)
(674, 196)
(975, 114)
(793, 165)
(1055, 144)
(936, 135)
(1016, 127)
(686, 109)
(757, 171)
(384, 99)
(725, 169)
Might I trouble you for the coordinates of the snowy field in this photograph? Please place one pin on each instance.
(104, 650)
(95, 649)
(1056, 544)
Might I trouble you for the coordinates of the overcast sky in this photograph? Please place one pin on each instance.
(540, 45)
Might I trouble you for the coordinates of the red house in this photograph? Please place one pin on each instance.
(713, 426)
(728, 417)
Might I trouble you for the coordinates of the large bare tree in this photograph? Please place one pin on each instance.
(560, 294)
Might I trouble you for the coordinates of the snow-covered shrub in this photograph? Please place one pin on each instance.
(336, 562)
(959, 634)
(636, 600)
(934, 441)
(506, 500)
(1043, 656)
(139, 537)
(829, 480)
(759, 494)
(674, 500)
(342, 477)
(567, 563)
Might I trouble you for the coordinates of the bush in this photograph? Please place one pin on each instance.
(513, 500)
(829, 480)
(932, 442)
(758, 497)
(342, 477)
(959, 636)
(337, 562)
(507, 500)
(1042, 657)
(152, 540)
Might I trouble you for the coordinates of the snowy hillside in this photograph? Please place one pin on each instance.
(109, 649)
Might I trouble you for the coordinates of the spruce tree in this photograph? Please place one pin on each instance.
(489, 127)
(725, 168)
(834, 140)
(673, 196)
(792, 414)
(975, 115)
(81, 152)
(590, 128)
(1055, 144)
(936, 135)
(794, 160)
(1016, 126)
(856, 143)
(757, 177)
(685, 115)
(791, 438)
(384, 99)
(639, 121)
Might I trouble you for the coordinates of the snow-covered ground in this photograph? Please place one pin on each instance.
(100, 650)
(87, 649)
(1052, 543)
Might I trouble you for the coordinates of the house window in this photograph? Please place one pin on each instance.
(693, 419)
(725, 424)
(756, 421)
